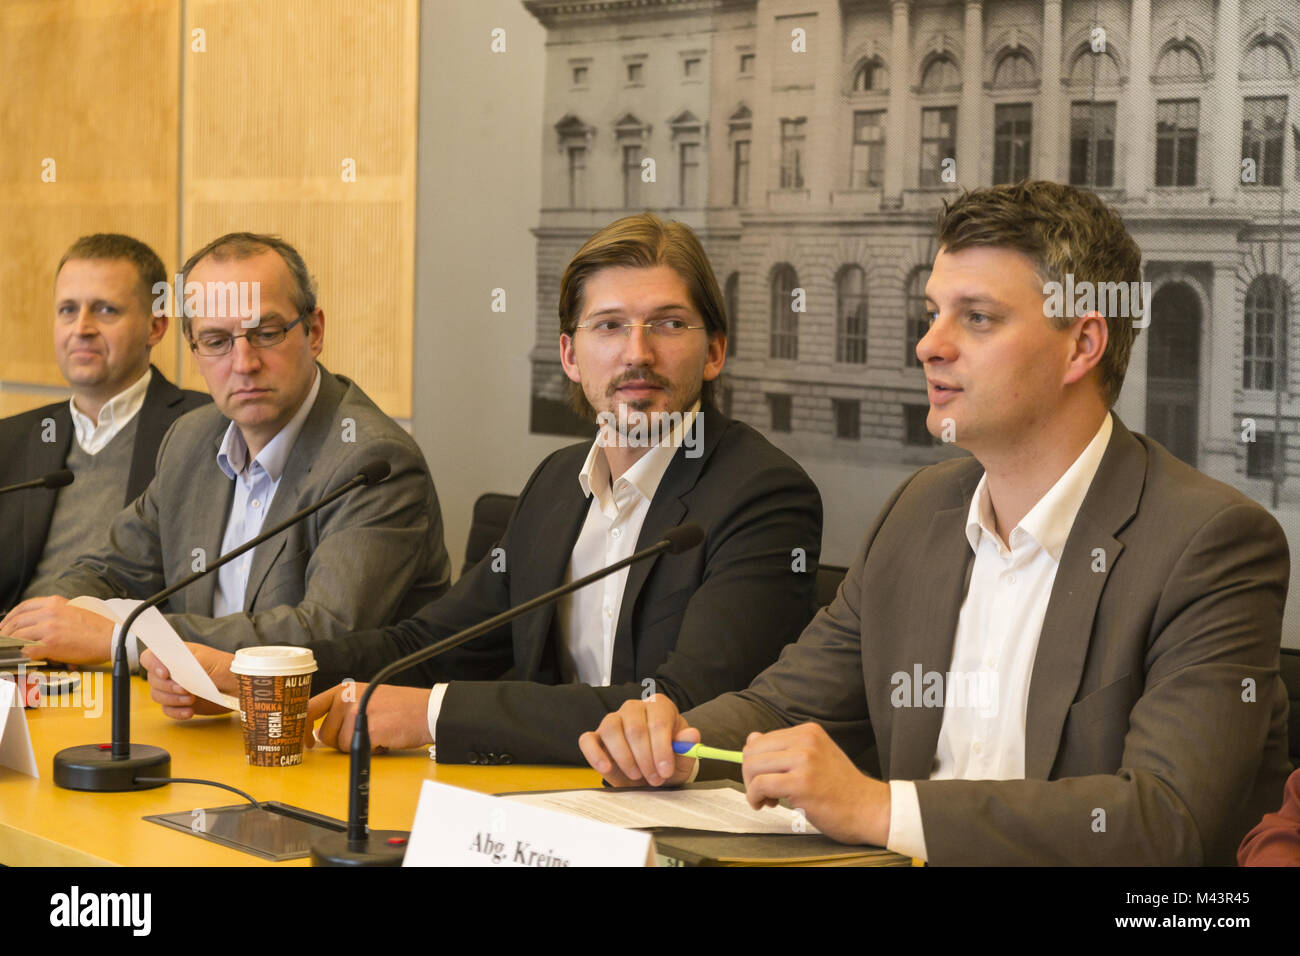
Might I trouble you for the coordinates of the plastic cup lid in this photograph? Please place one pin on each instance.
(273, 661)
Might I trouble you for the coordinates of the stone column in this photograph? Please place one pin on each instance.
(970, 141)
(900, 103)
(1225, 144)
(1139, 172)
(1053, 113)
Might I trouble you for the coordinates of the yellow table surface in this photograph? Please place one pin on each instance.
(44, 825)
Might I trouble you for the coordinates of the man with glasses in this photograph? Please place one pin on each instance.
(643, 340)
(107, 434)
(283, 432)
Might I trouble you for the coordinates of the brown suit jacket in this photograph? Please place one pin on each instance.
(1155, 696)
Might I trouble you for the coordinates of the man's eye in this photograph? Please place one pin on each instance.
(265, 336)
(672, 325)
(213, 341)
(979, 318)
(930, 317)
(608, 325)
(110, 309)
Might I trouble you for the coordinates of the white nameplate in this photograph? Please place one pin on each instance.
(455, 827)
(15, 739)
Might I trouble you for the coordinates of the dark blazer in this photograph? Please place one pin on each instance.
(25, 515)
(695, 624)
(1155, 694)
(371, 557)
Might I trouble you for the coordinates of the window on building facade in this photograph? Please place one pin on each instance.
(1262, 122)
(1012, 141)
(691, 68)
(689, 162)
(577, 177)
(635, 71)
(848, 417)
(1092, 144)
(914, 431)
(780, 407)
(793, 136)
(940, 74)
(871, 77)
(632, 176)
(1014, 69)
(867, 167)
(1259, 455)
(918, 320)
(1179, 62)
(740, 172)
(938, 142)
(1264, 349)
(851, 310)
(746, 63)
(1094, 68)
(579, 76)
(731, 302)
(785, 321)
(1266, 60)
(1177, 128)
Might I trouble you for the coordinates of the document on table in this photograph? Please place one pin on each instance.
(720, 808)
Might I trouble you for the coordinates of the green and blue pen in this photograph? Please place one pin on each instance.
(687, 749)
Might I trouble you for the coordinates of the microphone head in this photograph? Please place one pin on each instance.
(375, 471)
(58, 479)
(683, 537)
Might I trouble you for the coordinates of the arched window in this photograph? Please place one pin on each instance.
(916, 318)
(1266, 59)
(1081, 74)
(871, 77)
(851, 312)
(940, 74)
(785, 321)
(1179, 62)
(731, 302)
(1014, 69)
(1264, 348)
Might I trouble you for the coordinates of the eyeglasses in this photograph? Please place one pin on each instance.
(212, 344)
(613, 328)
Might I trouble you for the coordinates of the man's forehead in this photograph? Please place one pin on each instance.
(96, 276)
(654, 287)
(983, 272)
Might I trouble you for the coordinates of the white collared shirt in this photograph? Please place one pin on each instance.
(588, 618)
(94, 435)
(986, 688)
(256, 482)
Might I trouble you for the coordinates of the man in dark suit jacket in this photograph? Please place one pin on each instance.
(688, 626)
(1123, 611)
(282, 433)
(104, 331)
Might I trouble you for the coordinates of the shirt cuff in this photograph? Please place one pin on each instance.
(906, 835)
(435, 707)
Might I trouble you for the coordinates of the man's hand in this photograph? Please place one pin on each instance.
(61, 632)
(803, 766)
(397, 717)
(633, 746)
(177, 702)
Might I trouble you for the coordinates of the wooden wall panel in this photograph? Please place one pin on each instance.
(93, 86)
(283, 97)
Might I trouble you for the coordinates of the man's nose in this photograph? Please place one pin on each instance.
(936, 343)
(244, 358)
(638, 346)
(85, 325)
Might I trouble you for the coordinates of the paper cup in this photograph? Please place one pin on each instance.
(274, 688)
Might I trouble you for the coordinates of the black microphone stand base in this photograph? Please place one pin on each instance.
(382, 848)
(92, 767)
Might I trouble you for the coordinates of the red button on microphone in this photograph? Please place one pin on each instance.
(396, 841)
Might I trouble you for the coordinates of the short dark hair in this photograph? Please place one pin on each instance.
(643, 241)
(245, 245)
(150, 270)
(1062, 229)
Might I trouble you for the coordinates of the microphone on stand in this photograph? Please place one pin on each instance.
(360, 846)
(110, 768)
(55, 479)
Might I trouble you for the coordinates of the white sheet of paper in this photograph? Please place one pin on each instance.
(15, 739)
(161, 638)
(721, 809)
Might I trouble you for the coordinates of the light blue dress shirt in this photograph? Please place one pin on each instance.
(255, 485)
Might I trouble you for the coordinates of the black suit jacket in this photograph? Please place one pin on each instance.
(695, 624)
(25, 515)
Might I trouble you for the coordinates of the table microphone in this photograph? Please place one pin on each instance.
(55, 479)
(360, 846)
(110, 768)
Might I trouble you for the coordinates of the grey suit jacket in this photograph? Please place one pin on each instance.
(372, 556)
(1155, 696)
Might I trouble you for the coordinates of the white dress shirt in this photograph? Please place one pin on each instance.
(588, 618)
(116, 413)
(982, 736)
(255, 484)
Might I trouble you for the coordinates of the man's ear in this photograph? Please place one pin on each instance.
(569, 358)
(1089, 339)
(317, 332)
(716, 357)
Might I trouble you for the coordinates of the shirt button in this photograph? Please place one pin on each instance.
(991, 663)
(255, 503)
(616, 533)
(609, 612)
(977, 747)
(1008, 579)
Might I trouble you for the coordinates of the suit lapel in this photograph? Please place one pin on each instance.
(158, 398)
(666, 511)
(1110, 504)
(316, 431)
(545, 568)
(38, 511)
(209, 518)
(946, 559)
